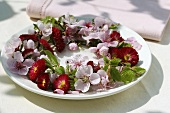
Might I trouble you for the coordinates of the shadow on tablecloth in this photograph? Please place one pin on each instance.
(5, 10)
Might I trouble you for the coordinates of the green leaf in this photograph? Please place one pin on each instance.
(59, 70)
(46, 20)
(127, 45)
(114, 26)
(105, 67)
(36, 27)
(106, 60)
(115, 62)
(127, 75)
(127, 64)
(115, 74)
(123, 44)
(73, 72)
(52, 58)
(138, 70)
(94, 42)
(48, 64)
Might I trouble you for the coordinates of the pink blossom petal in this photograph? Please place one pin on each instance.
(98, 88)
(74, 92)
(59, 91)
(81, 23)
(98, 21)
(104, 50)
(80, 72)
(134, 43)
(88, 69)
(104, 77)
(11, 62)
(80, 85)
(105, 27)
(18, 56)
(40, 25)
(28, 62)
(12, 44)
(9, 50)
(94, 78)
(102, 73)
(108, 22)
(23, 71)
(36, 53)
(131, 39)
(14, 70)
(73, 46)
(101, 62)
(93, 49)
(100, 45)
(47, 30)
(137, 46)
(53, 77)
(16, 41)
(102, 36)
(30, 44)
(113, 44)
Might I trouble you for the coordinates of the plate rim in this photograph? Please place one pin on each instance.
(79, 96)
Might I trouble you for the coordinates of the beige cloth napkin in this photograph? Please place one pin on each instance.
(147, 17)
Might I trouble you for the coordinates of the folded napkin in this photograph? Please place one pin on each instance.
(147, 17)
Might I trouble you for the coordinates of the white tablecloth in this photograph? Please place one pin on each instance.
(151, 95)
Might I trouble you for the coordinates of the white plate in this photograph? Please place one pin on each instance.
(144, 58)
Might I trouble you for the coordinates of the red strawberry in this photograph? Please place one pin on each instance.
(128, 54)
(58, 40)
(115, 36)
(46, 45)
(37, 69)
(28, 36)
(56, 32)
(62, 82)
(43, 81)
(60, 45)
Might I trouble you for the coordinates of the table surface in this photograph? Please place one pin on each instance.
(150, 95)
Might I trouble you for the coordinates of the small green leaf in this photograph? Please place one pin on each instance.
(123, 44)
(115, 74)
(73, 72)
(59, 70)
(127, 64)
(36, 27)
(114, 26)
(94, 42)
(127, 75)
(115, 62)
(52, 58)
(138, 70)
(46, 20)
(48, 64)
(106, 60)
(127, 45)
(105, 67)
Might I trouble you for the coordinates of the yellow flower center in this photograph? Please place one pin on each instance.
(43, 82)
(61, 84)
(35, 69)
(126, 57)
